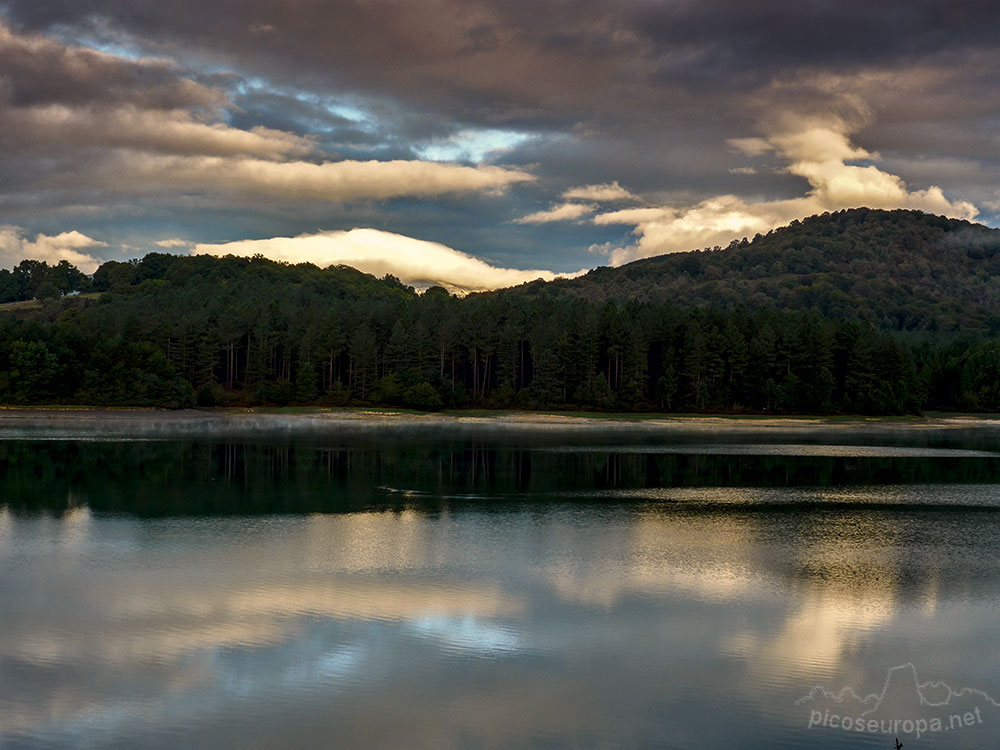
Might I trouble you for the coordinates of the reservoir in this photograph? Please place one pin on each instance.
(475, 587)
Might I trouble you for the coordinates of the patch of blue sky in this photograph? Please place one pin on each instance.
(472, 145)
(340, 107)
(118, 48)
(248, 85)
(347, 111)
(990, 215)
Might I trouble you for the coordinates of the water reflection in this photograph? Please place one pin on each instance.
(184, 477)
(533, 620)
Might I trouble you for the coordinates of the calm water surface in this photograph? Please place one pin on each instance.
(402, 588)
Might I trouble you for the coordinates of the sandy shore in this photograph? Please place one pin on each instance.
(70, 422)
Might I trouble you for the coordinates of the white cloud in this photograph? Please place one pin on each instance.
(561, 212)
(607, 192)
(289, 181)
(414, 261)
(171, 131)
(602, 248)
(993, 205)
(99, 123)
(173, 242)
(820, 152)
(15, 247)
(632, 215)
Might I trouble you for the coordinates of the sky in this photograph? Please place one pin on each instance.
(481, 144)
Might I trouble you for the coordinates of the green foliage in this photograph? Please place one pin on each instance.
(422, 396)
(981, 378)
(899, 270)
(33, 371)
(306, 388)
(47, 290)
(797, 321)
(35, 279)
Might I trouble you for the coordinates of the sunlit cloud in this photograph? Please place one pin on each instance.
(561, 212)
(173, 242)
(632, 216)
(606, 192)
(68, 246)
(571, 209)
(170, 132)
(330, 181)
(840, 175)
(138, 124)
(414, 261)
(133, 128)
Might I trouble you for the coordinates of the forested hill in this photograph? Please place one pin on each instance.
(180, 330)
(900, 270)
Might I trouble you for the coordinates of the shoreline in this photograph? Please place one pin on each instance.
(290, 419)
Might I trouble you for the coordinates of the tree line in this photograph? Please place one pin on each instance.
(34, 279)
(899, 270)
(180, 331)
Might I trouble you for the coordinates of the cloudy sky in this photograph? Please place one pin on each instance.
(479, 144)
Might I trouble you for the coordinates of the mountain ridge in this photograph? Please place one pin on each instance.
(900, 270)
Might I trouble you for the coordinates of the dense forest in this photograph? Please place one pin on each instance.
(899, 270)
(177, 330)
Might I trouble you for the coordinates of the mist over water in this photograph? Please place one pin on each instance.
(544, 588)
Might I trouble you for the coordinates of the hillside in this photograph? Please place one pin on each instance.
(900, 270)
(770, 326)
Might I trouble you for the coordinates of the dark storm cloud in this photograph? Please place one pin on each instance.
(770, 37)
(36, 71)
(100, 121)
(103, 131)
(653, 79)
(525, 61)
(648, 93)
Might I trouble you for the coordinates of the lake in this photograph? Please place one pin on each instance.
(433, 587)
